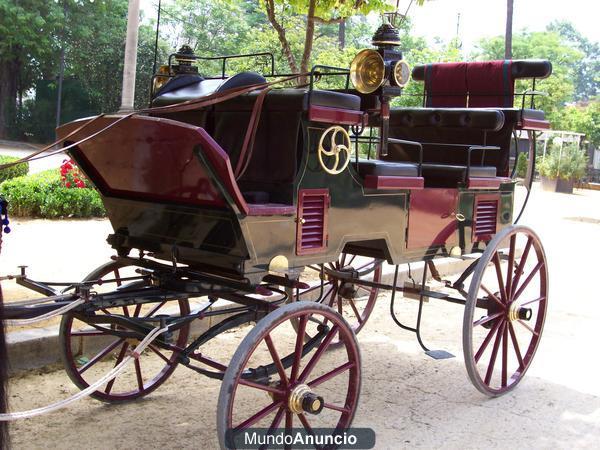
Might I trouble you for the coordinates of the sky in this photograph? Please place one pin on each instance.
(484, 18)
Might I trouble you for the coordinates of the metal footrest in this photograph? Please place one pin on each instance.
(439, 354)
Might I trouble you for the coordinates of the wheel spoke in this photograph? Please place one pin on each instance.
(356, 313)
(276, 359)
(368, 290)
(261, 387)
(126, 311)
(289, 420)
(351, 259)
(365, 265)
(528, 327)
(504, 355)
(535, 300)
(486, 341)
(535, 270)
(331, 374)
(511, 262)
(275, 423)
(138, 309)
(314, 288)
(155, 309)
(157, 351)
(100, 356)
(487, 319)
(117, 277)
(120, 358)
(327, 294)
(521, 265)
(258, 416)
(138, 373)
(306, 424)
(513, 337)
(320, 350)
(298, 349)
(336, 408)
(492, 362)
(492, 295)
(501, 285)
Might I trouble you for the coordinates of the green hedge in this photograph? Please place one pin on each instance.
(44, 195)
(14, 171)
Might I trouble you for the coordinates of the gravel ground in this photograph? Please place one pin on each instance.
(411, 400)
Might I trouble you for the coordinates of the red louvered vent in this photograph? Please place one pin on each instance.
(486, 216)
(311, 235)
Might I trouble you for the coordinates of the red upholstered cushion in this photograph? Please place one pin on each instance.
(490, 84)
(446, 85)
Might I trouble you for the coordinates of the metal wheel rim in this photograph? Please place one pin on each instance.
(482, 383)
(265, 326)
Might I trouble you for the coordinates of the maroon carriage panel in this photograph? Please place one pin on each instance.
(432, 219)
(148, 158)
(311, 234)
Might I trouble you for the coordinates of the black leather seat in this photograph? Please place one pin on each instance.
(387, 168)
(185, 88)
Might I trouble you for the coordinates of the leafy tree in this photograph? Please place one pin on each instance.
(28, 31)
(587, 70)
(583, 119)
(313, 12)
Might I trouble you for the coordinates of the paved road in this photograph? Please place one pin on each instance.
(39, 165)
(410, 400)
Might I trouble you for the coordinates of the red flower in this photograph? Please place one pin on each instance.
(68, 184)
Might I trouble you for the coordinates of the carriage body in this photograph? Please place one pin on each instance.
(230, 188)
(168, 184)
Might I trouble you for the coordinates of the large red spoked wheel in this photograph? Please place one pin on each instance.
(352, 300)
(505, 310)
(90, 351)
(276, 379)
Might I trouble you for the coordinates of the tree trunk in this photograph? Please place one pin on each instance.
(285, 45)
(309, 37)
(342, 34)
(129, 67)
(8, 95)
(508, 34)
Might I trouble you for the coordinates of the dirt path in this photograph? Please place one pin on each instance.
(409, 399)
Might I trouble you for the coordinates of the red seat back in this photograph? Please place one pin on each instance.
(446, 85)
(490, 84)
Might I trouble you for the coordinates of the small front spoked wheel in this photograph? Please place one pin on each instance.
(278, 380)
(92, 343)
(505, 310)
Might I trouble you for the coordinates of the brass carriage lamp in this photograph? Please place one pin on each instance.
(185, 58)
(381, 72)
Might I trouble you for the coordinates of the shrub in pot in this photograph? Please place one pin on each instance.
(561, 168)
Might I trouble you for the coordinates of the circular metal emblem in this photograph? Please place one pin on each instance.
(337, 140)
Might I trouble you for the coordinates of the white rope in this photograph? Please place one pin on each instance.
(48, 315)
(91, 388)
(39, 301)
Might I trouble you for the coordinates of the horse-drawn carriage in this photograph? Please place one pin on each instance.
(236, 202)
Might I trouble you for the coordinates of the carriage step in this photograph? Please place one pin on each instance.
(439, 354)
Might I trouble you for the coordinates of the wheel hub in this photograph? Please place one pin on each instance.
(302, 399)
(348, 289)
(516, 312)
